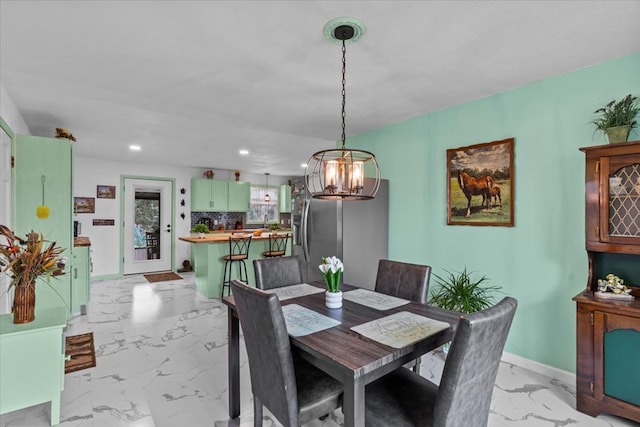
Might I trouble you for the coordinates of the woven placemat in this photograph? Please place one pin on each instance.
(80, 351)
(162, 277)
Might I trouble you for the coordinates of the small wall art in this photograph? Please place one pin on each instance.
(106, 192)
(480, 183)
(84, 205)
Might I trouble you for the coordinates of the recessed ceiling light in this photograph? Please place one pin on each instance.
(243, 152)
(304, 165)
(135, 148)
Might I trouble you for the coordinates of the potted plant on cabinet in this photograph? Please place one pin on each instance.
(617, 118)
(201, 229)
(460, 292)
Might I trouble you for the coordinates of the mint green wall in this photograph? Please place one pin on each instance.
(541, 260)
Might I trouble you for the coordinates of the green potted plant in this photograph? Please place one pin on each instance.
(458, 291)
(201, 229)
(617, 118)
(274, 228)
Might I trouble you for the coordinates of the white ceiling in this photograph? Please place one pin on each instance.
(193, 82)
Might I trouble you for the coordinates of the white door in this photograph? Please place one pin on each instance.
(148, 225)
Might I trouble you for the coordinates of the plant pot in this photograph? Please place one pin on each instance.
(618, 134)
(24, 303)
(333, 299)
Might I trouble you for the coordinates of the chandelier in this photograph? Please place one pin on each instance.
(339, 173)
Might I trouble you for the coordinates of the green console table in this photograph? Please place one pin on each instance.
(32, 361)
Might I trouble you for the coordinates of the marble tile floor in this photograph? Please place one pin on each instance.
(161, 362)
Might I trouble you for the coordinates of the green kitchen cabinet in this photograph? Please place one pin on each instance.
(209, 195)
(32, 362)
(80, 280)
(284, 201)
(239, 196)
(42, 174)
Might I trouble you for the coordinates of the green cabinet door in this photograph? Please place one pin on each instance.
(32, 362)
(284, 201)
(239, 196)
(80, 279)
(209, 195)
(43, 169)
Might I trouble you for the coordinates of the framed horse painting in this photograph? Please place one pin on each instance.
(480, 184)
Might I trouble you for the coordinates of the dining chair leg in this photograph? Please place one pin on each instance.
(257, 412)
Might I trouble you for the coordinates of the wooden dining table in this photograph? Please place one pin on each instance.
(348, 356)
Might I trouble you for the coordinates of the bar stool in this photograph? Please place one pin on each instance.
(238, 252)
(277, 245)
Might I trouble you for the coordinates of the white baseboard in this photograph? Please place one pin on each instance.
(541, 368)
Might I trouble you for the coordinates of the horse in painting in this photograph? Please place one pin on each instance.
(471, 186)
(496, 195)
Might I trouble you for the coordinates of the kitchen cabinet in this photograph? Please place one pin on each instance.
(608, 331)
(209, 195)
(284, 199)
(32, 362)
(81, 278)
(42, 174)
(239, 196)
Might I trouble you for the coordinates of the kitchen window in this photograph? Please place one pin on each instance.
(259, 209)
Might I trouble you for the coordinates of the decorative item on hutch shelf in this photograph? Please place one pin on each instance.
(338, 173)
(209, 174)
(237, 174)
(24, 260)
(612, 287)
(331, 269)
(617, 118)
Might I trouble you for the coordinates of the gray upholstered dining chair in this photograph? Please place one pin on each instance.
(293, 390)
(277, 272)
(463, 397)
(404, 280)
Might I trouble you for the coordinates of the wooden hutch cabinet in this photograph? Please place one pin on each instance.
(608, 331)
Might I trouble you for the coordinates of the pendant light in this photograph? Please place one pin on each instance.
(339, 173)
(267, 198)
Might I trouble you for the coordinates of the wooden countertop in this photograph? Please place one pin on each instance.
(223, 237)
(81, 241)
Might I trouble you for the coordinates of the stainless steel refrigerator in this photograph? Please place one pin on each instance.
(354, 231)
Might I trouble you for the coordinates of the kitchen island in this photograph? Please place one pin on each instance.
(208, 265)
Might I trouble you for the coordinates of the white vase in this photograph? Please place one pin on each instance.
(333, 299)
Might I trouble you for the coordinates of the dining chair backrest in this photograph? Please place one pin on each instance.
(403, 280)
(277, 272)
(471, 367)
(277, 245)
(267, 342)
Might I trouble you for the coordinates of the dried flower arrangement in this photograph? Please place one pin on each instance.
(64, 133)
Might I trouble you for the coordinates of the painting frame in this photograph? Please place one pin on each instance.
(84, 205)
(106, 191)
(477, 177)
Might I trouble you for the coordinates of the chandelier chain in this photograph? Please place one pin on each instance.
(344, 92)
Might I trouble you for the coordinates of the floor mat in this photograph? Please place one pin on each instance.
(81, 351)
(162, 277)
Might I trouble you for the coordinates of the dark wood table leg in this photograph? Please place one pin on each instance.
(233, 355)
(353, 406)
